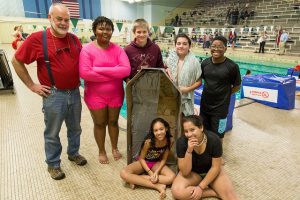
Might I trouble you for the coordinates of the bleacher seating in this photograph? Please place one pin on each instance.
(269, 14)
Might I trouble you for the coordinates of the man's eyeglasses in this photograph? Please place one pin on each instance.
(60, 50)
(217, 47)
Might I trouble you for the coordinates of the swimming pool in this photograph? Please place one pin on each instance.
(256, 68)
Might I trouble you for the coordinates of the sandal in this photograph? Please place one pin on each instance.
(116, 154)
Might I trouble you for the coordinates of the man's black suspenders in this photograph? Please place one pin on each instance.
(46, 57)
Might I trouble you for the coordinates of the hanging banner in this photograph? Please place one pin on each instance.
(155, 28)
(29, 27)
(116, 32)
(213, 30)
(119, 25)
(223, 31)
(190, 30)
(202, 31)
(257, 29)
(242, 30)
(250, 29)
(232, 29)
(265, 28)
(176, 30)
(129, 35)
(272, 28)
(45, 27)
(74, 22)
(162, 29)
(75, 30)
(87, 23)
(34, 27)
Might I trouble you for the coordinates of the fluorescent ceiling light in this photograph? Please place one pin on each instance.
(134, 1)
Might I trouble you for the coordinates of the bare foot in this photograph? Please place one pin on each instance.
(103, 159)
(116, 154)
(132, 186)
(162, 195)
(162, 190)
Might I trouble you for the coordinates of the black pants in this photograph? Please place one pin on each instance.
(262, 47)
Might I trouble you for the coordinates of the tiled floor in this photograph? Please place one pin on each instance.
(262, 154)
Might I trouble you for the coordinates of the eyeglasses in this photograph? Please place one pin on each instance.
(60, 50)
(217, 47)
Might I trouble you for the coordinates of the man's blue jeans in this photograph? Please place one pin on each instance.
(59, 106)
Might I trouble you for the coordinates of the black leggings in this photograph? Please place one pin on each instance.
(262, 47)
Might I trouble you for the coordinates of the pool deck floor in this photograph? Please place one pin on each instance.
(261, 152)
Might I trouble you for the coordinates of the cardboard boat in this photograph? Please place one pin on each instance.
(150, 94)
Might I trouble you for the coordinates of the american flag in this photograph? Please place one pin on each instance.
(73, 6)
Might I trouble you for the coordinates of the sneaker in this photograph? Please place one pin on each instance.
(79, 159)
(56, 173)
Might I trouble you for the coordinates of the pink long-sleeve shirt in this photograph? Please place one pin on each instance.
(103, 70)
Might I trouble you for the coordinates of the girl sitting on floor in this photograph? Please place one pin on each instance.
(152, 160)
(199, 162)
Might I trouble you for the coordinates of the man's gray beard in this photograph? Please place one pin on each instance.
(54, 27)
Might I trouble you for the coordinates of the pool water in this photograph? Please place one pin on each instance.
(256, 68)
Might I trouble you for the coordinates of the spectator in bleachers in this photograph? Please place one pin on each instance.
(208, 39)
(262, 41)
(246, 17)
(283, 39)
(232, 38)
(194, 38)
(228, 16)
(235, 16)
(216, 33)
(18, 38)
(199, 40)
(204, 40)
(278, 35)
(173, 21)
(176, 20)
(252, 13)
(179, 22)
(191, 13)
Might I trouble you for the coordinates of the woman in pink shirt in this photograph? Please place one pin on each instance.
(102, 66)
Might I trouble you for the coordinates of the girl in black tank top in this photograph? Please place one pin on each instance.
(152, 160)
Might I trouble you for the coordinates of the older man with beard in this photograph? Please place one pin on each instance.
(61, 97)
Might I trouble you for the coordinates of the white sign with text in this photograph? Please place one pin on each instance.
(262, 94)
